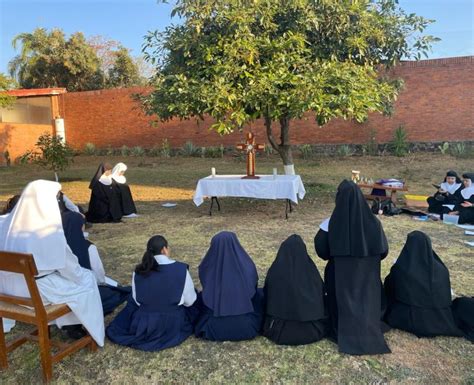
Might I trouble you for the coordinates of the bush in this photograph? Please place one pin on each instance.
(189, 149)
(89, 149)
(399, 143)
(345, 150)
(444, 148)
(165, 149)
(371, 147)
(155, 151)
(459, 150)
(124, 151)
(269, 150)
(306, 151)
(213, 152)
(137, 151)
(8, 160)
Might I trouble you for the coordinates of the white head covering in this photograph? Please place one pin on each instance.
(467, 192)
(105, 180)
(34, 226)
(118, 168)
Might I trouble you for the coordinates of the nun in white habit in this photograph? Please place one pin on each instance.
(34, 226)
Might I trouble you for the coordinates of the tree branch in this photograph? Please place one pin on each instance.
(271, 138)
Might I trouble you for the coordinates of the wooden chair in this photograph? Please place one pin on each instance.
(36, 313)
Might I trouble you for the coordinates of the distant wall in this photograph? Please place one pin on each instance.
(18, 138)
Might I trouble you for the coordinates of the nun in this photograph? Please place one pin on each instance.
(465, 207)
(294, 295)
(447, 196)
(160, 314)
(104, 204)
(34, 226)
(463, 311)
(128, 205)
(354, 244)
(419, 292)
(230, 305)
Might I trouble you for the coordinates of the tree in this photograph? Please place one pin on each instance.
(6, 84)
(51, 153)
(47, 59)
(240, 60)
(124, 71)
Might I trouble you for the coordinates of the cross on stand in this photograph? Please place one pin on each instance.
(250, 147)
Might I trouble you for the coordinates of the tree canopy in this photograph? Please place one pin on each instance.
(240, 60)
(6, 84)
(49, 59)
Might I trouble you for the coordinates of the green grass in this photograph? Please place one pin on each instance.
(261, 227)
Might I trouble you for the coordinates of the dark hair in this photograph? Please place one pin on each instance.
(107, 166)
(11, 203)
(153, 247)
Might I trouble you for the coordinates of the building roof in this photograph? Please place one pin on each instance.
(36, 92)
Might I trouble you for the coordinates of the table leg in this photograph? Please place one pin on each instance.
(288, 208)
(212, 204)
(393, 196)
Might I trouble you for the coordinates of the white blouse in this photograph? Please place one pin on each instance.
(189, 294)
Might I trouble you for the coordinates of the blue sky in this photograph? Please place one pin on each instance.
(127, 21)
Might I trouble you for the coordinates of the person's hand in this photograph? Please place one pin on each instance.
(453, 213)
(466, 204)
(441, 191)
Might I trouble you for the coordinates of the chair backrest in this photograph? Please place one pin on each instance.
(23, 264)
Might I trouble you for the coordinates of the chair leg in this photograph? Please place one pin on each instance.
(3, 347)
(45, 351)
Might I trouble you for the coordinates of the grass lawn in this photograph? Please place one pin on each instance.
(261, 227)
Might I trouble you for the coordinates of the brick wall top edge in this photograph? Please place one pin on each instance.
(438, 62)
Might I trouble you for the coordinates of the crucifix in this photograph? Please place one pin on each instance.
(250, 147)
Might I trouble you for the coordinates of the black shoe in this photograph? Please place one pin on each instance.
(76, 332)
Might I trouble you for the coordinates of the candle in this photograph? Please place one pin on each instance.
(213, 172)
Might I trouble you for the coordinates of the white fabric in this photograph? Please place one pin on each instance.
(106, 180)
(96, 264)
(468, 191)
(289, 169)
(267, 187)
(62, 280)
(325, 225)
(450, 188)
(35, 227)
(189, 294)
(69, 205)
(118, 168)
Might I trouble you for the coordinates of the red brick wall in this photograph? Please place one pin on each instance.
(18, 138)
(436, 105)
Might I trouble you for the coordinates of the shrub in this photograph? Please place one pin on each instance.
(345, 150)
(444, 148)
(269, 150)
(89, 149)
(137, 151)
(124, 150)
(459, 150)
(306, 151)
(399, 143)
(8, 160)
(372, 146)
(155, 151)
(165, 149)
(213, 152)
(189, 149)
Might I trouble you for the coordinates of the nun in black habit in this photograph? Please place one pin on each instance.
(447, 194)
(354, 245)
(419, 291)
(104, 205)
(463, 311)
(295, 313)
(465, 207)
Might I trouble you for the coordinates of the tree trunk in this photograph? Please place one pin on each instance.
(284, 147)
(56, 176)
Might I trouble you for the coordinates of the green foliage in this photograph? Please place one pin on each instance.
(165, 149)
(459, 150)
(137, 151)
(372, 146)
(344, 151)
(306, 151)
(6, 84)
(269, 150)
(124, 71)
(399, 143)
(189, 149)
(50, 153)
(90, 149)
(444, 148)
(237, 61)
(214, 152)
(124, 150)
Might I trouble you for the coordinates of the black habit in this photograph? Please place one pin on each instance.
(126, 199)
(354, 247)
(466, 214)
(463, 311)
(436, 202)
(419, 291)
(295, 313)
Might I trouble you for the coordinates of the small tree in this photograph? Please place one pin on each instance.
(51, 153)
(241, 60)
(6, 84)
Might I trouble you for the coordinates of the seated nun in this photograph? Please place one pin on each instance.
(419, 292)
(354, 243)
(463, 311)
(294, 297)
(230, 304)
(34, 226)
(128, 205)
(447, 196)
(465, 207)
(160, 314)
(104, 204)
(112, 295)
